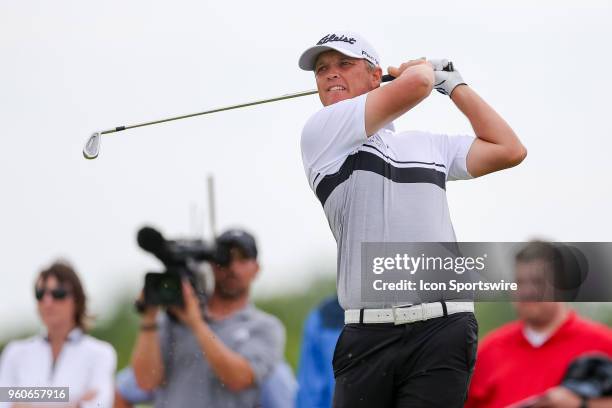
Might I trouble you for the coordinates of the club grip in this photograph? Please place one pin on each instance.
(448, 68)
(387, 78)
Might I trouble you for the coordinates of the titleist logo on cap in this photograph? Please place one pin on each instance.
(334, 37)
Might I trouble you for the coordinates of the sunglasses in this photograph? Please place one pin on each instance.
(57, 293)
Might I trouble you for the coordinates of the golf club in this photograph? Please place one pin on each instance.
(92, 147)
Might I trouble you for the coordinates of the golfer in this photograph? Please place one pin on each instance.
(377, 184)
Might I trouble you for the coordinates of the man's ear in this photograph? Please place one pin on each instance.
(376, 77)
(256, 268)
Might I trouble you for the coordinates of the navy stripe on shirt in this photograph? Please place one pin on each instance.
(367, 161)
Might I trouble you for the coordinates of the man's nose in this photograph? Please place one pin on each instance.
(46, 299)
(530, 293)
(332, 74)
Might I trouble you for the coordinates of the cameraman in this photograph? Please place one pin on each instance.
(214, 353)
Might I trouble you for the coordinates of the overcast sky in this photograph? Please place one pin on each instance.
(70, 68)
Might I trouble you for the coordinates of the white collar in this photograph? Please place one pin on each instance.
(535, 338)
(74, 335)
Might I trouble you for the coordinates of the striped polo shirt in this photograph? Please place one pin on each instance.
(390, 187)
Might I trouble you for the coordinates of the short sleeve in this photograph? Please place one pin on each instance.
(278, 391)
(265, 347)
(457, 148)
(128, 387)
(331, 134)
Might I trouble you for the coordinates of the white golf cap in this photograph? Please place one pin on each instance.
(345, 42)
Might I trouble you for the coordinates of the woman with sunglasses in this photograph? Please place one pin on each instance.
(63, 355)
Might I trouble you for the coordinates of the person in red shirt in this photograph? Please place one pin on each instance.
(522, 363)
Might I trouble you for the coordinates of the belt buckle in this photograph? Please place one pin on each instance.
(399, 319)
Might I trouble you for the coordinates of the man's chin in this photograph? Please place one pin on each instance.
(532, 312)
(229, 294)
(335, 98)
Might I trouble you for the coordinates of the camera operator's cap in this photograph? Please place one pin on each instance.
(241, 239)
(346, 42)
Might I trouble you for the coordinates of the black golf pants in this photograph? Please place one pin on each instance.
(424, 364)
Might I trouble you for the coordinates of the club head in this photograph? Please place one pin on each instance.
(92, 147)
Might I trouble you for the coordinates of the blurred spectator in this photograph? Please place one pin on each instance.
(315, 373)
(526, 360)
(278, 391)
(214, 352)
(63, 356)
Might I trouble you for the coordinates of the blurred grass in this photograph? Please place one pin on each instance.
(292, 309)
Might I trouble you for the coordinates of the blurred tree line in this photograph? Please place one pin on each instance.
(292, 309)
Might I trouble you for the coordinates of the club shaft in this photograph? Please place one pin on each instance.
(225, 108)
(385, 78)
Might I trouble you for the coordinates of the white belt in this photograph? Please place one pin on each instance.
(406, 314)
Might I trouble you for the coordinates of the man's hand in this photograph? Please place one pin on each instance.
(88, 396)
(559, 397)
(413, 82)
(148, 313)
(190, 314)
(446, 77)
(397, 71)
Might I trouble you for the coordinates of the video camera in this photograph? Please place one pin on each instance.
(180, 257)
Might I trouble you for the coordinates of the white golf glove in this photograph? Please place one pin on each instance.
(446, 78)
